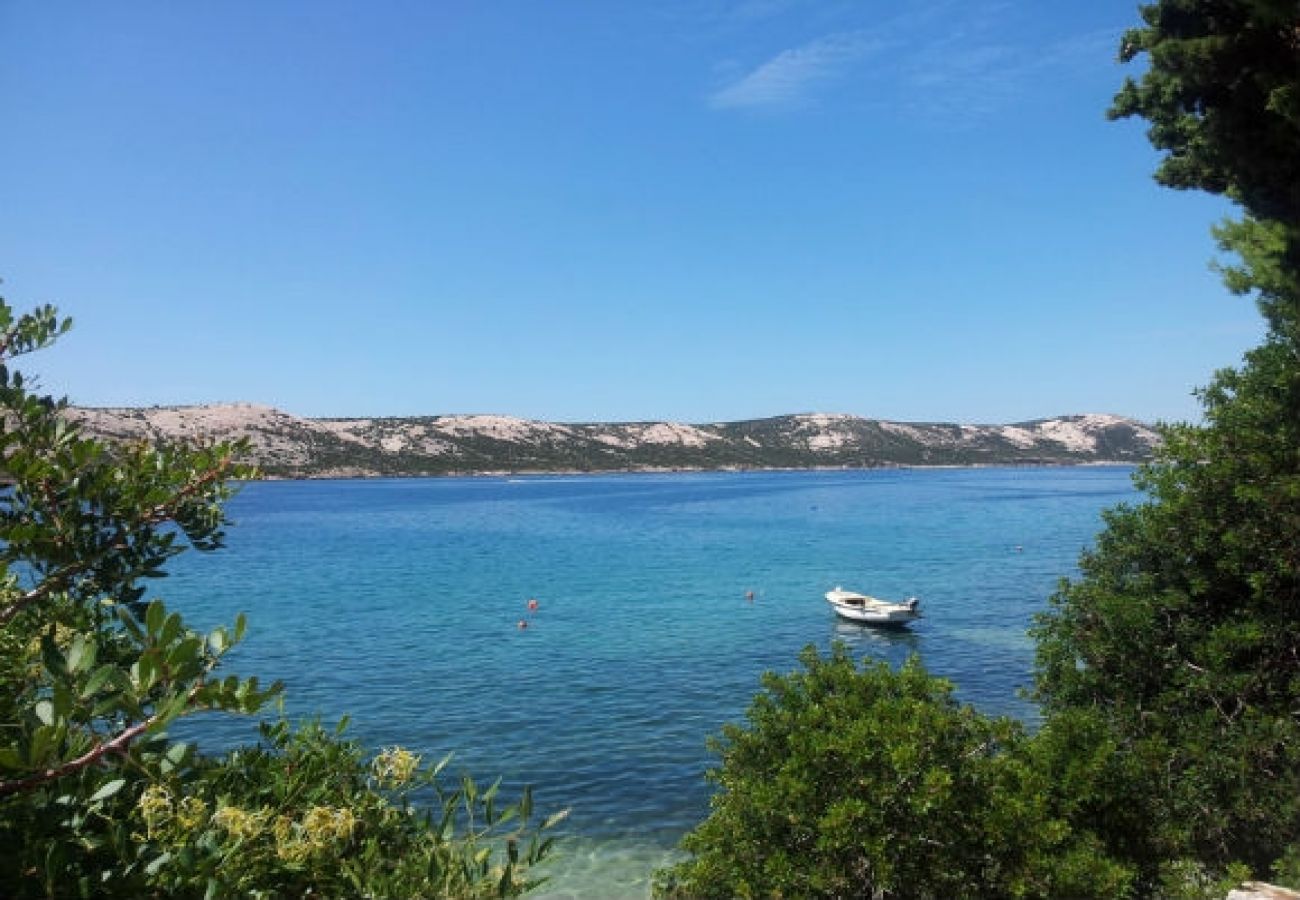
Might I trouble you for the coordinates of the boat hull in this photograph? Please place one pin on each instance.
(870, 610)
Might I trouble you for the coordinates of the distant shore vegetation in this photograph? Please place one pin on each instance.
(285, 446)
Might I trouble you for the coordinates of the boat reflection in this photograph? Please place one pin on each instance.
(857, 636)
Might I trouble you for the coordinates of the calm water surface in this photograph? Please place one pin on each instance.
(397, 602)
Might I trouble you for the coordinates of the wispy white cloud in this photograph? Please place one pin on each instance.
(959, 80)
(786, 79)
(964, 77)
(945, 60)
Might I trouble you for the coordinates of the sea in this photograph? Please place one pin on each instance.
(660, 601)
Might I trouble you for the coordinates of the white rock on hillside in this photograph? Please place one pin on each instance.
(501, 428)
(289, 444)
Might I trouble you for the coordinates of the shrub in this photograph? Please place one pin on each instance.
(95, 799)
(865, 782)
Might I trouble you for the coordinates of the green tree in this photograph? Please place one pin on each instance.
(1181, 639)
(95, 799)
(851, 782)
(1221, 96)
(1183, 634)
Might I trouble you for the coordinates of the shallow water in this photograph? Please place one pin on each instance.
(397, 602)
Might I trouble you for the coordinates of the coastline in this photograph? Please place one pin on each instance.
(370, 475)
(283, 446)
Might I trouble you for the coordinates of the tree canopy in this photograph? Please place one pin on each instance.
(1220, 94)
(864, 782)
(1183, 634)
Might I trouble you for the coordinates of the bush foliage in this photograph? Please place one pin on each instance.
(95, 799)
(866, 782)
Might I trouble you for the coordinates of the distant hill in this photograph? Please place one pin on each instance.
(293, 447)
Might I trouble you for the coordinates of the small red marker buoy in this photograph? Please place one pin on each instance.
(533, 604)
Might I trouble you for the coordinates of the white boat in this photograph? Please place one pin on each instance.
(872, 610)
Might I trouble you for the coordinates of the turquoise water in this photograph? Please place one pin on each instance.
(397, 601)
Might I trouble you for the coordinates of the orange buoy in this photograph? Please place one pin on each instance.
(533, 604)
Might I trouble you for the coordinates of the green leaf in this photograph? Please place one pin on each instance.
(80, 654)
(97, 680)
(170, 710)
(39, 745)
(145, 671)
(185, 654)
(44, 710)
(51, 657)
(108, 790)
(129, 622)
(154, 617)
(62, 699)
(171, 629)
(176, 757)
(507, 815)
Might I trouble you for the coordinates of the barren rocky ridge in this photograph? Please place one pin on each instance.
(285, 445)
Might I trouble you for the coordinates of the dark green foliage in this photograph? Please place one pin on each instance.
(1183, 635)
(851, 782)
(95, 800)
(1179, 647)
(1221, 98)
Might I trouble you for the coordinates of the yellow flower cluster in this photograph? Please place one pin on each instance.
(284, 832)
(191, 814)
(394, 766)
(164, 816)
(329, 824)
(322, 829)
(240, 824)
(156, 808)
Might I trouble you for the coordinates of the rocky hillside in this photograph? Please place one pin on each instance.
(288, 446)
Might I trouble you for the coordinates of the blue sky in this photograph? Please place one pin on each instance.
(577, 211)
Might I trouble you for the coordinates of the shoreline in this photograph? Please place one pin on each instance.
(692, 470)
(287, 447)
